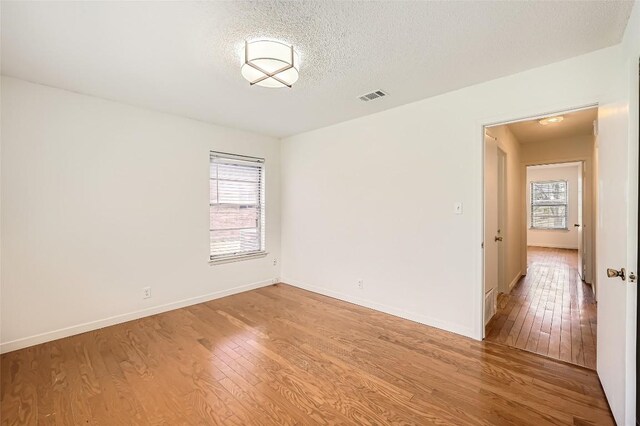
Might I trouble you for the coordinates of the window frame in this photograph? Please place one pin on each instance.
(261, 206)
(550, 204)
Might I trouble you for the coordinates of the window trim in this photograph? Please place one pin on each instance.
(237, 257)
(234, 257)
(565, 204)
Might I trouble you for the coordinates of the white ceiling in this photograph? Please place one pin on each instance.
(184, 57)
(576, 123)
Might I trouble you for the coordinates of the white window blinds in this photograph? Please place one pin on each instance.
(549, 205)
(236, 206)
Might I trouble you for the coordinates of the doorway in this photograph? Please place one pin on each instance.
(539, 236)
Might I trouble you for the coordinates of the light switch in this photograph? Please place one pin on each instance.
(457, 208)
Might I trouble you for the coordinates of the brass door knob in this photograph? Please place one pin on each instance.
(613, 273)
(497, 239)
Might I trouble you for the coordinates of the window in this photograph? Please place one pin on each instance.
(549, 205)
(236, 206)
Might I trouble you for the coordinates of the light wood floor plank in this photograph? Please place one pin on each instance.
(280, 355)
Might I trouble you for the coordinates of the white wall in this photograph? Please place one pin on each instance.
(556, 238)
(558, 150)
(373, 197)
(100, 199)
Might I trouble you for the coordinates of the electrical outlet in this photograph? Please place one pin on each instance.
(457, 208)
(146, 292)
(275, 261)
(276, 280)
(360, 283)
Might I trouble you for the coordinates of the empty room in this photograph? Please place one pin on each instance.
(319, 212)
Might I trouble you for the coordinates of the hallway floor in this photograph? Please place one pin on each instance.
(550, 311)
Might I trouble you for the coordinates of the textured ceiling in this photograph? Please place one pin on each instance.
(184, 57)
(577, 123)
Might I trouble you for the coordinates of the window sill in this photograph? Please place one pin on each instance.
(548, 229)
(238, 258)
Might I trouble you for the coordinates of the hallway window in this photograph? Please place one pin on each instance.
(236, 207)
(549, 204)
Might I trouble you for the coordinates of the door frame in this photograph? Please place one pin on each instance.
(502, 217)
(592, 224)
(637, 378)
(483, 126)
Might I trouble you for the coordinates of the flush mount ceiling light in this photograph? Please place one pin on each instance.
(270, 64)
(551, 120)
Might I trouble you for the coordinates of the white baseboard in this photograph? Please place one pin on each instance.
(117, 319)
(515, 280)
(559, 246)
(391, 310)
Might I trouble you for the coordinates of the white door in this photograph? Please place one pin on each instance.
(616, 239)
(490, 215)
(580, 223)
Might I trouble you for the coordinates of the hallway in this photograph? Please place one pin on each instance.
(550, 311)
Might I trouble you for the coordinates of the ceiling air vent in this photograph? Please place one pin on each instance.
(373, 95)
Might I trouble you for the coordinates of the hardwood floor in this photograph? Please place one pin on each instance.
(550, 311)
(280, 355)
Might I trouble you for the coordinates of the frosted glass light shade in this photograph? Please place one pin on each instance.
(270, 64)
(551, 120)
